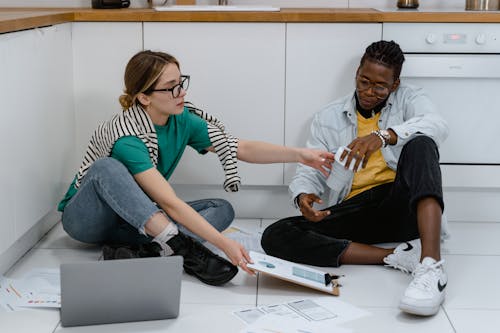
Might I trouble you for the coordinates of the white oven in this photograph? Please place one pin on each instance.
(459, 66)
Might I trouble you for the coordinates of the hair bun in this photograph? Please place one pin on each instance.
(126, 101)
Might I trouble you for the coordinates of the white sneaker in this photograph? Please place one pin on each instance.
(426, 292)
(406, 256)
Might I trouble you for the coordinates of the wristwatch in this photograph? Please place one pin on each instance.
(386, 135)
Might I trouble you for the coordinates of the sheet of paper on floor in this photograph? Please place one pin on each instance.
(316, 315)
(40, 287)
(9, 294)
(43, 286)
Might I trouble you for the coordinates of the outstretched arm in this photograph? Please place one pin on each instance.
(263, 152)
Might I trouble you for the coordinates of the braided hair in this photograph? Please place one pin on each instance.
(385, 53)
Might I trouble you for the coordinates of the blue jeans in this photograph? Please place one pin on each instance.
(110, 207)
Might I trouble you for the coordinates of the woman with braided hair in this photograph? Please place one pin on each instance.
(392, 132)
(121, 196)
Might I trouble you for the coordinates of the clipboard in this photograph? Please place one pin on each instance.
(295, 273)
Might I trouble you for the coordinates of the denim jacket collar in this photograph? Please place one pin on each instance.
(349, 108)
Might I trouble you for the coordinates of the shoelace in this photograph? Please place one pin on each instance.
(422, 280)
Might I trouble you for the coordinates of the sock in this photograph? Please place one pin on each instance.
(164, 236)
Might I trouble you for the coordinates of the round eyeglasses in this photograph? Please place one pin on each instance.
(378, 90)
(176, 90)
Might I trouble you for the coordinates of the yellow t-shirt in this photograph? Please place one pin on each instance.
(376, 171)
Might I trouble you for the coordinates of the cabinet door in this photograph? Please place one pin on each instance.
(321, 62)
(100, 53)
(7, 149)
(39, 110)
(237, 74)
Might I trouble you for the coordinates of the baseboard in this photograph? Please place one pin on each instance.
(28, 240)
(273, 202)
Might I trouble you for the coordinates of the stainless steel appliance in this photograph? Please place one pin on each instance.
(482, 5)
(459, 66)
(408, 4)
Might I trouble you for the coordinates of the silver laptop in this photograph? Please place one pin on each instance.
(116, 291)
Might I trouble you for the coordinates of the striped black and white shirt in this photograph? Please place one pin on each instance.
(136, 122)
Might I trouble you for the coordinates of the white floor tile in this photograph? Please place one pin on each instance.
(192, 318)
(472, 282)
(29, 321)
(393, 320)
(363, 285)
(57, 238)
(483, 321)
(242, 290)
(50, 258)
(477, 238)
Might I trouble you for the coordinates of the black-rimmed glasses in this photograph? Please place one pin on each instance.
(378, 90)
(176, 90)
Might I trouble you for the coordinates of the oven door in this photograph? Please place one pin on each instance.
(466, 90)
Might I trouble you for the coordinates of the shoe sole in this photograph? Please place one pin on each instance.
(419, 311)
(397, 267)
(217, 282)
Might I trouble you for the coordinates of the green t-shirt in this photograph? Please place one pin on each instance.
(185, 129)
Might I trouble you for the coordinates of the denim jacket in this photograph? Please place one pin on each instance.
(408, 112)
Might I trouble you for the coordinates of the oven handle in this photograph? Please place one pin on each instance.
(451, 66)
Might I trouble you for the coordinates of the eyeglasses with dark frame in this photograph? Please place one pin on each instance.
(379, 90)
(176, 90)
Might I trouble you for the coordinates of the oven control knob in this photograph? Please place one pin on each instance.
(430, 39)
(481, 39)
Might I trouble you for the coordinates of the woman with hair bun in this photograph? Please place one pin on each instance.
(121, 196)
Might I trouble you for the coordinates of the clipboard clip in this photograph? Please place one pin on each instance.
(333, 279)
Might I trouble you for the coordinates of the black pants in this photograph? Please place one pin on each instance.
(385, 213)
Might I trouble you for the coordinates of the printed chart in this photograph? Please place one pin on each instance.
(295, 273)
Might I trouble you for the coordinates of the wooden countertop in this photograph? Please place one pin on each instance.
(20, 19)
(13, 19)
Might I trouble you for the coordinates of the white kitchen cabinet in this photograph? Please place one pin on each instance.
(101, 51)
(7, 132)
(38, 125)
(321, 62)
(237, 74)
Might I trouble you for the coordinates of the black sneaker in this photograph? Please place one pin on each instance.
(201, 262)
(111, 252)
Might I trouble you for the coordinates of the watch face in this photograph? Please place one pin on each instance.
(385, 134)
